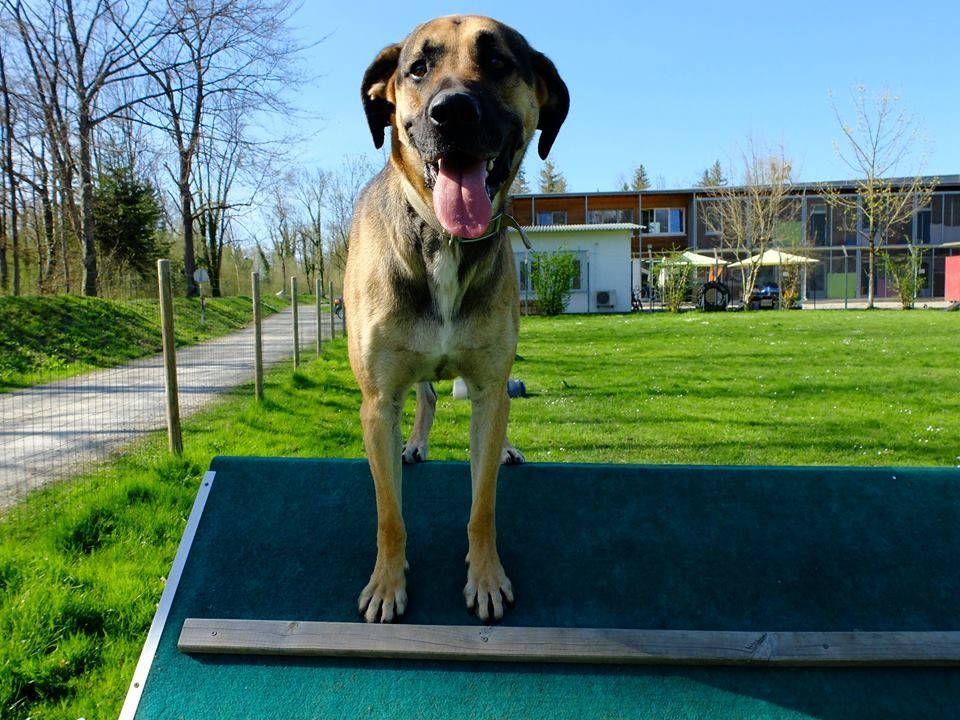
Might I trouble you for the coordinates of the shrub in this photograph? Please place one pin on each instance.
(552, 276)
(904, 273)
(675, 276)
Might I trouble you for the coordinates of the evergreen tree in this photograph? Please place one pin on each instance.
(551, 179)
(126, 216)
(520, 185)
(640, 179)
(713, 176)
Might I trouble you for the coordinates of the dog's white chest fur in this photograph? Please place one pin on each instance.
(444, 282)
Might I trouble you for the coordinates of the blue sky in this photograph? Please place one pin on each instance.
(674, 86)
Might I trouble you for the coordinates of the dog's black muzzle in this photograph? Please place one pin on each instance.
(453, 112)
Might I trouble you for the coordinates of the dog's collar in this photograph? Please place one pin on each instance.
(425, 211)
(494, 229)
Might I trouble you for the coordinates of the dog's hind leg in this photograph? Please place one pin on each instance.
(385, 597)
(510, 455)
(415, 451)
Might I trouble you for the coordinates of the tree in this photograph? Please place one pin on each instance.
(520, 184)
(551, 179)
(640, 180)
(214, 173)
(344, 189)
(224, 56)
(11, 185)
(752, 219)
(712, 176)
(880, 140)
(552, 276)
(76, 53)
(283, 235)
(311, 191)
(126, 213)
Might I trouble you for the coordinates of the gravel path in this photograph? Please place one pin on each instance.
(52, 431)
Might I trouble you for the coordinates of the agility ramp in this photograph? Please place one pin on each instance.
(642, 591)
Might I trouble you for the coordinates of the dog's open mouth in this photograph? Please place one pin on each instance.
(463, 190)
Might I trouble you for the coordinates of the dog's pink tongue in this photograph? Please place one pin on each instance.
(460, 199)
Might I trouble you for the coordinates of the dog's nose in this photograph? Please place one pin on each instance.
(454, 109)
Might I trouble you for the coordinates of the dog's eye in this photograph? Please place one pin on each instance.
(497, 63)
(418, 69)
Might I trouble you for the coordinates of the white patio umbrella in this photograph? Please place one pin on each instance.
(699, 260)
(771, 258)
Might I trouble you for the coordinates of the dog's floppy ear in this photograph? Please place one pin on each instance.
(373, 90)
(554, 101)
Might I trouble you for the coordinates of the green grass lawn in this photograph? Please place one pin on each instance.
(49, 338)
(82, 565)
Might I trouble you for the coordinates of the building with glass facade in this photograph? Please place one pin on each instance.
(681, 219)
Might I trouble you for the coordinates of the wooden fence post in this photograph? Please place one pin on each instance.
(319, 294)
(257, 338)
(333, 320)
(296, 323)
(174, 431)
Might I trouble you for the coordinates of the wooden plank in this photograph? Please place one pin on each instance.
(569, 645)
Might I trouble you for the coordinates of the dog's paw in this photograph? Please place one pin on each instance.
(511, 456)
(385, 597)
(488, 589)
(414, 452)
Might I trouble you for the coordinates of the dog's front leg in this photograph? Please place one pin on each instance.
(488, 586)
(385, 596)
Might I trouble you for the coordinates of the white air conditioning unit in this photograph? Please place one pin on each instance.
(653, 227)
(606, 299)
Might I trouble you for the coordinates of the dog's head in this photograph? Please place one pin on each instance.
(464, 95)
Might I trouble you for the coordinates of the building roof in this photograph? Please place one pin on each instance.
(597, 227)
(941, 180)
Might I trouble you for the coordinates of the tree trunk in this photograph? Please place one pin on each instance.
(871, 271)
(214, 253)
(186, 217)
(88, 239)
(46, 274)
(4, 271)
(11, 182)
(64, 240)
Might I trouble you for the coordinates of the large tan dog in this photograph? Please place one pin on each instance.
(430, 287)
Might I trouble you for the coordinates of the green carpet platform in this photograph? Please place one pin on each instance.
(586, 546)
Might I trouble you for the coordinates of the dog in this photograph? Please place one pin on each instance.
(430, 283)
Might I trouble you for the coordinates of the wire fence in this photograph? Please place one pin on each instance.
(62, 424)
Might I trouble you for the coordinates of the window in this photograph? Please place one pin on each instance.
(603, 217)
(662, 220)
(951, 218)
(552, 217)
(709, 218)
(526, 284)
(817, 223)
(843, 223)
(924, 217)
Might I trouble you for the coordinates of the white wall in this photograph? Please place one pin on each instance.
(607, 257)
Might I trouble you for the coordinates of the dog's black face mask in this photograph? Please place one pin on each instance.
(464, 96)
(468, 145)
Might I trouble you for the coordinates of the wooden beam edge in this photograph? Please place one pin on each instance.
(570, 645)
